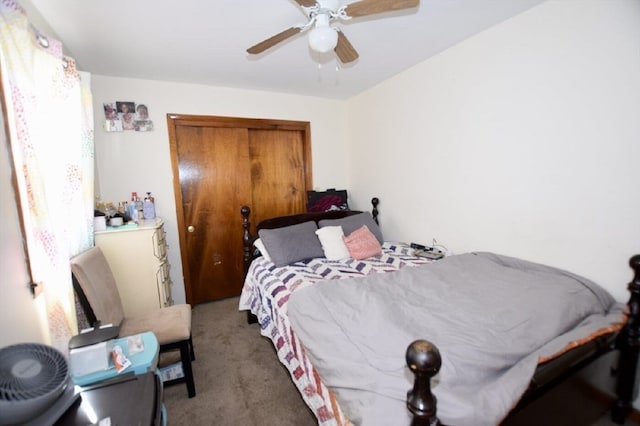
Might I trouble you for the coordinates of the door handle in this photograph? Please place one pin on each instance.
(191, 228)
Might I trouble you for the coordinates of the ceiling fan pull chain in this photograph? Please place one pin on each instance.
(319, 68)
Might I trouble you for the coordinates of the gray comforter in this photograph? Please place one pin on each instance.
(492, 317)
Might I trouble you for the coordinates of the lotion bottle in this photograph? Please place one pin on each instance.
(148, 207)
(133, 210)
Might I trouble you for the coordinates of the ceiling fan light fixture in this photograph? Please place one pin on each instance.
(323, 39)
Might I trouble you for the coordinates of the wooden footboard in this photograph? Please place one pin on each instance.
(423, 359)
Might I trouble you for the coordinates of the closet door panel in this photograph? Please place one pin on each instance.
(278, 173)
(215, 179)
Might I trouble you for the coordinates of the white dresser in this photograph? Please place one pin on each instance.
(137, 255)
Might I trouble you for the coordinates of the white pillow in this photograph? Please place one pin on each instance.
(332, 243)
(263, 250)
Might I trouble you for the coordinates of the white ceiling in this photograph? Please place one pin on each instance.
(205, 42)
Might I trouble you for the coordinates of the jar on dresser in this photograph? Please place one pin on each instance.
(137, 255)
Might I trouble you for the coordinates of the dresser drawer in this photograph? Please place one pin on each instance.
(138, 258)
(164, 283)
(160, 244)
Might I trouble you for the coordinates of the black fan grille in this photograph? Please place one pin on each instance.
(30, 370)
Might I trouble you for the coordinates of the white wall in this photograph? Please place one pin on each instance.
(523, 140)
(140, 161)
(18, 310)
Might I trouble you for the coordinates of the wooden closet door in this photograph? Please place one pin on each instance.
(219, 165)
(215, 178)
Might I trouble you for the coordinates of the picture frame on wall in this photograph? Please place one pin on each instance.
(143, 125)
(112, 121)
(126, 115)
(125, 107)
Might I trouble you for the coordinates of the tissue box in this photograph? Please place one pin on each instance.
(89, 359)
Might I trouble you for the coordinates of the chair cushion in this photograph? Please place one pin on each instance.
(94, 275)
(170, 324)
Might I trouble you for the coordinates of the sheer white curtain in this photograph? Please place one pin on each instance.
(50, 124)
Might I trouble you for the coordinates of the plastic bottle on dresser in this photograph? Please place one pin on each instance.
(139, 208)
(148, 207)
(133, 210)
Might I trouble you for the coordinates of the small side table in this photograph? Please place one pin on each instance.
(143, 361)
(132, 399)
(133, 396)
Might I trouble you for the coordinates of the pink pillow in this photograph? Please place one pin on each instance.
(362, 243)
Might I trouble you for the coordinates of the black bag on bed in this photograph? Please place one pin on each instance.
(331, 199)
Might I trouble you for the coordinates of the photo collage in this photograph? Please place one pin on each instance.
(120, 116)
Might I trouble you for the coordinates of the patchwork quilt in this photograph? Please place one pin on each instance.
(266, 292)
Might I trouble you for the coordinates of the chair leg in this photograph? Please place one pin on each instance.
(186, 352)
(193, 354)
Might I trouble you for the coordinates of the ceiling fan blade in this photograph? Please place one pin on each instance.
(272, 41)
(371, 7)
(306, 3)
(344, 49)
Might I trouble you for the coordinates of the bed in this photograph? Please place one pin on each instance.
(353, 365)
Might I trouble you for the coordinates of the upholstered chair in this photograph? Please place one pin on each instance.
(98, 294)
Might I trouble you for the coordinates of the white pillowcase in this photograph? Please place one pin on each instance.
(263, 250)
(332, 243)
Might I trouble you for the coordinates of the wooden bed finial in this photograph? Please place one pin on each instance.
(423, 359)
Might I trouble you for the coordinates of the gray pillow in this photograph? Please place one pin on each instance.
(351, 223)
(292, 243)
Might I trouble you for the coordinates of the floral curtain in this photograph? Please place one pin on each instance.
(49, 117)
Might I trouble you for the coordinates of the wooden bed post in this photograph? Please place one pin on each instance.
(247, 242)
(247, 245)
(423, 359)
(629, 343)
(374, 211)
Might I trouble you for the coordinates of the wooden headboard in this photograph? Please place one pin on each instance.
(294, 219)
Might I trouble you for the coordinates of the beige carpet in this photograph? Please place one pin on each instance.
(239, 380)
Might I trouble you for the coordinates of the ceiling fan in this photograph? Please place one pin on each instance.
(323, 37)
